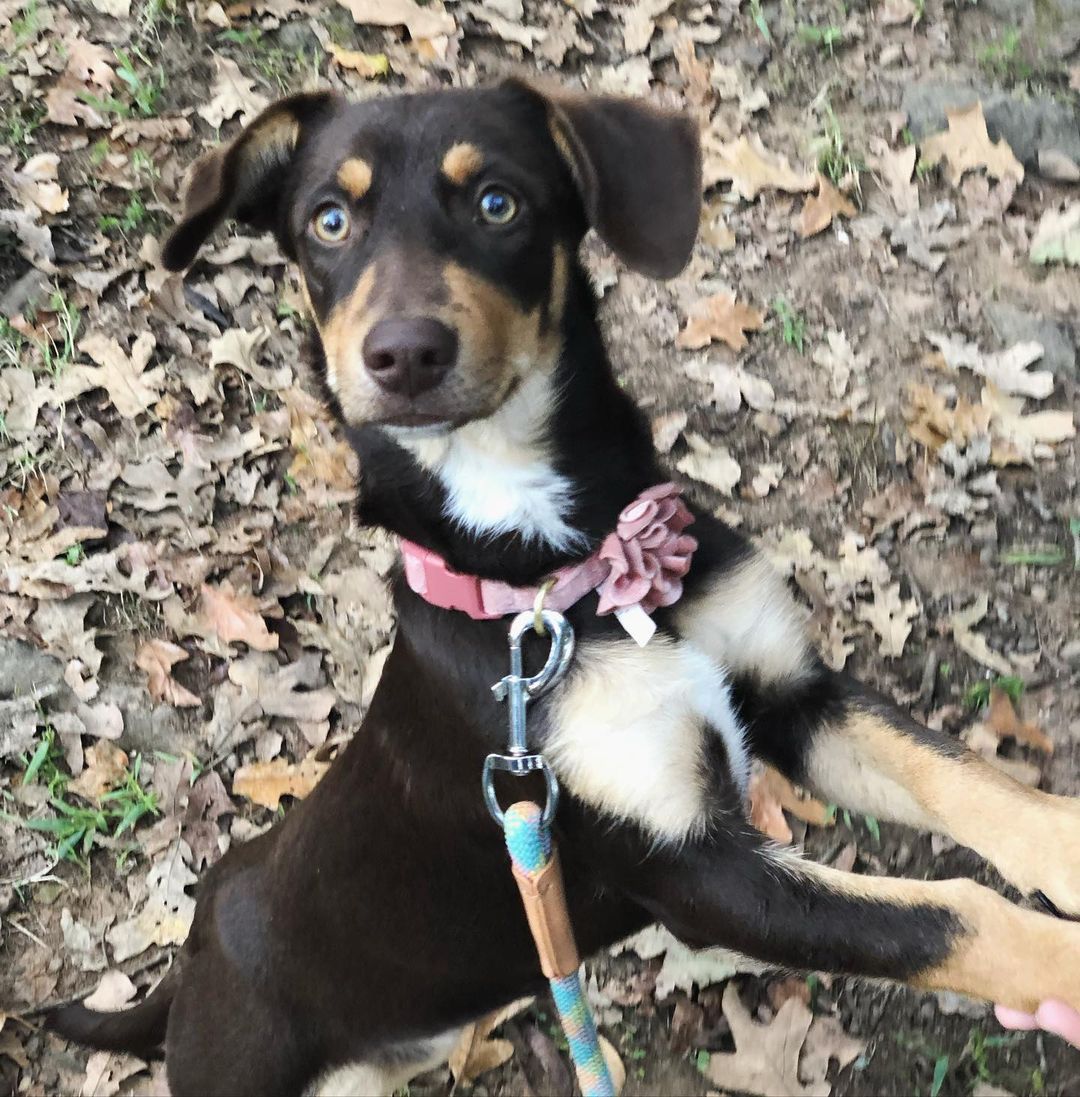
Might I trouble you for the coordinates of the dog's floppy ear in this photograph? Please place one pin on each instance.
(638, 169)
(242, 179)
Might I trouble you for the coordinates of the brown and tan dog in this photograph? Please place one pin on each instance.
(456, 338)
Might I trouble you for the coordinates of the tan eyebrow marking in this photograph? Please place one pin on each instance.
(461, 162)
(354, 176)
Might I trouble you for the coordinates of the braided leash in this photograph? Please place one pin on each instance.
(535, 861)
(529, 843)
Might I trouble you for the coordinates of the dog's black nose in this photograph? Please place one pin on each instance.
(409, 356)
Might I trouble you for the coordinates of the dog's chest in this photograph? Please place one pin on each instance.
(628, 732)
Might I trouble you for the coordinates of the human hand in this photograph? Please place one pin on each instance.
(1052, 1016)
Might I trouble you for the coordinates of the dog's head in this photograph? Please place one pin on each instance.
(434, 232)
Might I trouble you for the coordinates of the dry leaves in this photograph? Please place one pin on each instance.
(685, 968)
(819, 210)
(712, 464)
(963, 624)
(106, 767)
(477, 1051)
(166, 917)
(1057, 239)
(752, 168)
(132, 387)
(157, 658)
(266, 782)
(966, 146)
(368, 65)
(236, 617)
(894, 169)
(35, 183)
(1008, 369)
(771, 794)
(233, 94)
(890, 616)
(426, 22)
(766, 1060)
(719, 318)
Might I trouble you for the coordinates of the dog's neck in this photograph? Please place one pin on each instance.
(533, 487)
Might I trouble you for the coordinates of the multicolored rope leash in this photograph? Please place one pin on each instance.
(535, 861)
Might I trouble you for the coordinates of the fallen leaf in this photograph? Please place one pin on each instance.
(827, 1041)
(165, 918)
(752, 168)
(838, 357)
(774, 792)
(266, 782)
(731, 385)
(157, 658)
(35, 183)
(1008, 369)
(766, 812)
(895, 168)
(638, 18)
(890, 616)
(667, 428)
(1020, 438)
(368, 65)
(113, 992)
(766, 1057)
(132, 387)
(236, 617)
(684, 968)
(240, 348)
(819, 209)
(1057, 239)
(106, 1071)
(719, 318)
(766, 478)
(933, 422)
(106, 767)
(430, 21)
(893, 13)
(90, 63)
(232, 94)
(711, 464)
(966, 145)
(963, 623)
(1003, 721)
(476, 1051)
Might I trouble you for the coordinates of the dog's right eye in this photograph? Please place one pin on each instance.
(331, 224)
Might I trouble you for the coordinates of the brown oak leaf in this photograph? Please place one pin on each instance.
(819, 209)
(752, 168)
(266, 782)
(157, 658)
(720, 318)
(966, 145)
(106, 765)
(236, 617)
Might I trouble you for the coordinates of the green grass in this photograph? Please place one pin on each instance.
(978, 695)
(826, 38)
(1036, 556)
(74, 555)
(143, 83)
(133, 218)
(58, 352)
(1001, 58)
(793, 326)
(20, 122)
(759, 20)
(830, 148)
(75, 826)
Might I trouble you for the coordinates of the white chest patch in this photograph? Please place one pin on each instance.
(498, 475)
(628, 732)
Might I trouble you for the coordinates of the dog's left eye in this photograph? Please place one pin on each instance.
(497, 206)
(331, 224)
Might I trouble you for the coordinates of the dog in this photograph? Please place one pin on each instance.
(455, 337)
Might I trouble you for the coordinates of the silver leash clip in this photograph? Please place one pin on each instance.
(518, 690)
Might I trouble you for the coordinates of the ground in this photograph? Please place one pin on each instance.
(190, 626)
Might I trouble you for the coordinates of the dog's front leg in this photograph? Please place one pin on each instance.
(736, 891)
(866, 755)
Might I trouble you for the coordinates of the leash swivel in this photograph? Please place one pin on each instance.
(518, 690)
(534, 858)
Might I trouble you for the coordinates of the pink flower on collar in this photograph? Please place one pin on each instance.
(648, 552)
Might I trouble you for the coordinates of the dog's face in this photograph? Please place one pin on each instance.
(435, 232)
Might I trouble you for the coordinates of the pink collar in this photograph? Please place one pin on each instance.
(637, 569)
